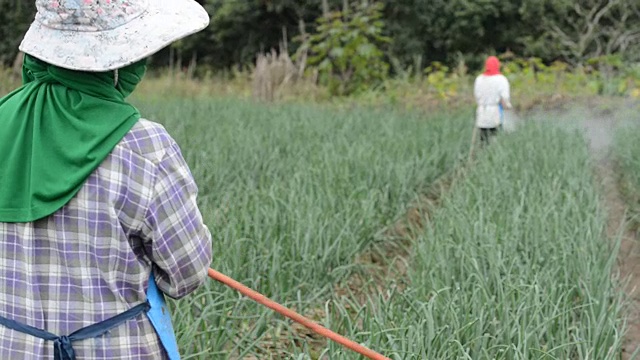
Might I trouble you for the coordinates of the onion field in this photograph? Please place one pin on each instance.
(513, 262)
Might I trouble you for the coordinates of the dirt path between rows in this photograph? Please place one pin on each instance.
(599, 123)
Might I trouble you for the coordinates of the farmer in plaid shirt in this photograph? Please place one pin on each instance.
(97, 206)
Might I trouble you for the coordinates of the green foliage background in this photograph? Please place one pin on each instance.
(346, 49)
(422, 31)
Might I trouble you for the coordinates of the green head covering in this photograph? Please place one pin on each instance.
(55, 131)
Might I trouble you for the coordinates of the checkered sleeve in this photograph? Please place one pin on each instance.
(176, 239)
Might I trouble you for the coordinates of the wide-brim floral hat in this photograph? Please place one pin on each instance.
(102, 35)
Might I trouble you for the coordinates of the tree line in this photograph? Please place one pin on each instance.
(420, 31)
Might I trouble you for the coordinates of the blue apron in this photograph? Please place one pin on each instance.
(155, 307)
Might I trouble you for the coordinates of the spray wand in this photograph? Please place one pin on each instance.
(317, 328)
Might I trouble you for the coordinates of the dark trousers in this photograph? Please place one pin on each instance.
(486, 134)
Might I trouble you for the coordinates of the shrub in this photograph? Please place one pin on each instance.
(346, 49)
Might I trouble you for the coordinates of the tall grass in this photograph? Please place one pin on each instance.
(292, 194)
(513, 265)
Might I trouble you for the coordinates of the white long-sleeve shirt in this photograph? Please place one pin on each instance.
(489, 92)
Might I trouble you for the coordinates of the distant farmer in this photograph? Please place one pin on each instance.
(491, 90)
(98, 214)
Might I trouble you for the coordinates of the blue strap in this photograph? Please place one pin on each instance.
(160, 318)
(62, 345)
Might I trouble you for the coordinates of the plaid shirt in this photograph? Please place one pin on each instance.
(92, 259)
